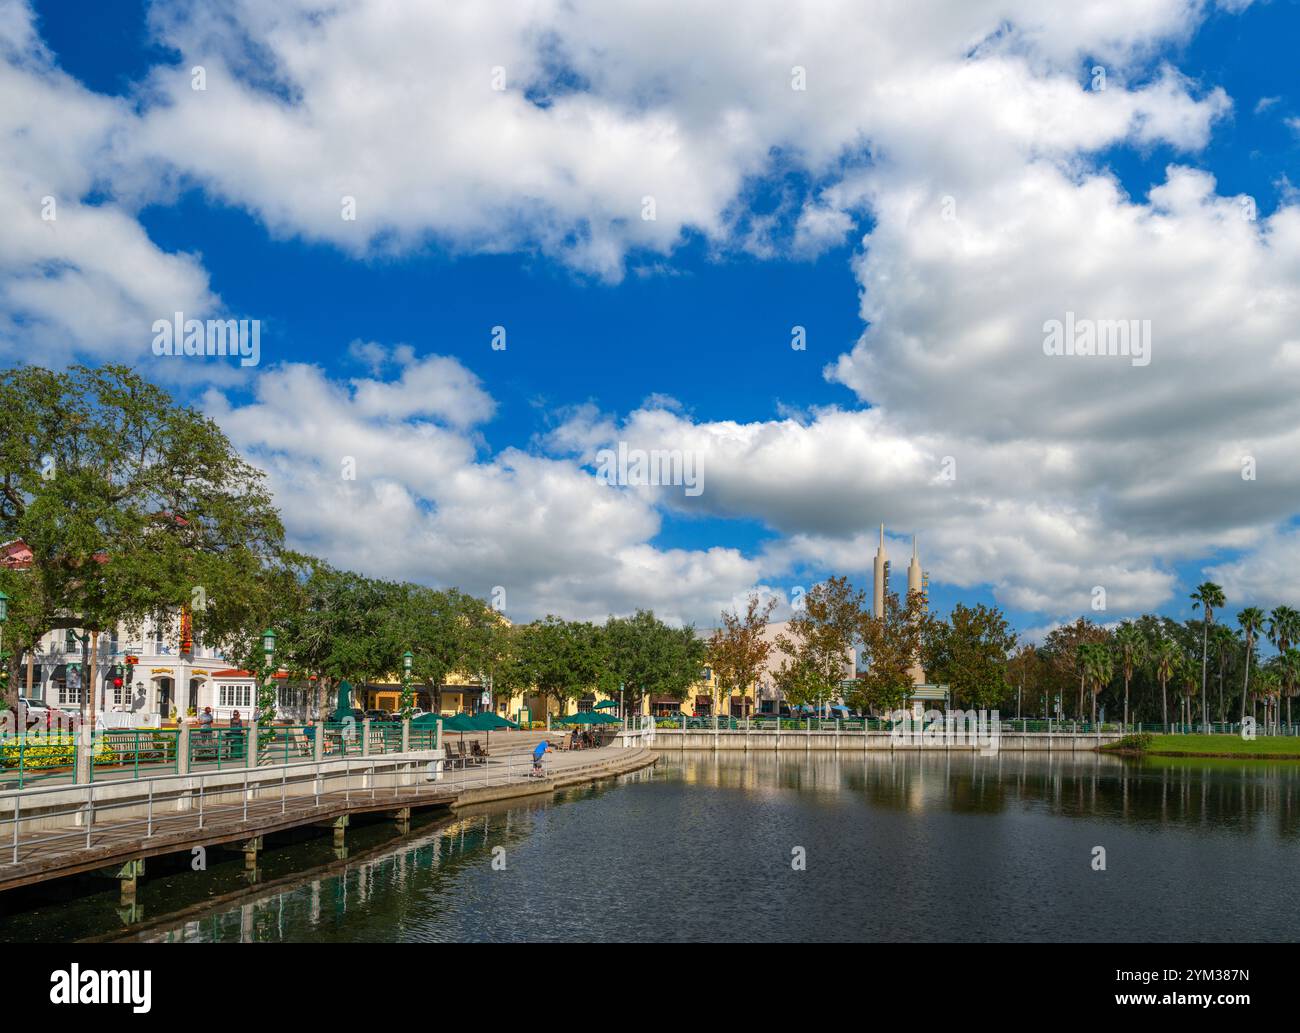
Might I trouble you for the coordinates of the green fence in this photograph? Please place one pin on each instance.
(131, 753)
(218, 748)
(134, 753)
(37, 760)
(286, 744)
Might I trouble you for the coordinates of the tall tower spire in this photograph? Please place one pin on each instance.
(915, 583)
(914, 571)
(878, 593)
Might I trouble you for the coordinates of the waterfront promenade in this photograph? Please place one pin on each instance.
(111, 828)
(760, 740)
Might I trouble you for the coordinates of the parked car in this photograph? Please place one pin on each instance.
(381, 715)
(37, 710)
(417, 712)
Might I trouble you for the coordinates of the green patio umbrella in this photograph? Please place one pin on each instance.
(344, 708)
(488, 721)
(605, 719)
(582, 717)
(605, 704)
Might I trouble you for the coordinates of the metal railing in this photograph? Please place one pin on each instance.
(202, 798)
(169, 799)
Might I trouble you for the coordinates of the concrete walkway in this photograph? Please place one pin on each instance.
(238, 817)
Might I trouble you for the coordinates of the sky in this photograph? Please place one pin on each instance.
(815, 248)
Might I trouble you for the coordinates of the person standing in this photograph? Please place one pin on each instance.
(236, 733)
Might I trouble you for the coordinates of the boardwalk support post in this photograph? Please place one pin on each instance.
(339, 825)
(183, 750)
(251, 752)
(402, 819)
(126, 875)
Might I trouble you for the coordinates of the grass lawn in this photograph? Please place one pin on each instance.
(1224, 746)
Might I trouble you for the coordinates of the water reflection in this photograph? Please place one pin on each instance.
(911, 846)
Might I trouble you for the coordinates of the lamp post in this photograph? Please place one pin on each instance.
(4, 616)
(407, 657)
(266, 704)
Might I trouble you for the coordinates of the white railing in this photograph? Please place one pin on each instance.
(167, 799)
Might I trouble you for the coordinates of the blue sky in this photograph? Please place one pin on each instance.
(702, 313)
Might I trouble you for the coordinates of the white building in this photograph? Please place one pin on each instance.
(165, 681)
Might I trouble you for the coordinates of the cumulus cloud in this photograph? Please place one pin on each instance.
(78, 274)
(405, 494)
(967, 139)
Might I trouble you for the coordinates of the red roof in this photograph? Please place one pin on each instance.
(15, 555)
(232, 673)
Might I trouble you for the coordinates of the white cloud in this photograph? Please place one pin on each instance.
(86, 281)
(680, 102)
(404, 494)
(963, 135)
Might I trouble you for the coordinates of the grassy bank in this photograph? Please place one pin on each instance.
(1265, 747)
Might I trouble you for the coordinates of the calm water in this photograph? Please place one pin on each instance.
(908, 847)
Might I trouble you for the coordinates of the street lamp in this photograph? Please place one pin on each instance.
(4, 616)
(407, 657)
(266, 701)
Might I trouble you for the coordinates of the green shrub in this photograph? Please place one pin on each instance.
(1139, 741)
(49, 751)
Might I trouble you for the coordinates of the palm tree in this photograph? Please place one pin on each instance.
(1099, 668)
(1266, 686)
(1130, 648)
(1251, 619)
(1226, 647)
(1165, 656)
(1187, 672)
(1289, 668)
(1210, 596)
(1283, 631)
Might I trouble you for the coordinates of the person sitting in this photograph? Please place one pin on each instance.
(573, 740)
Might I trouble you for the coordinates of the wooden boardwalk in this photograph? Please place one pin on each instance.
(54, 853)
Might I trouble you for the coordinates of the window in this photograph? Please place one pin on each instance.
(122, 693)
(235, 695)
(69, 693)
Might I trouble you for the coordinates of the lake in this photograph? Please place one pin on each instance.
(909, 846)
